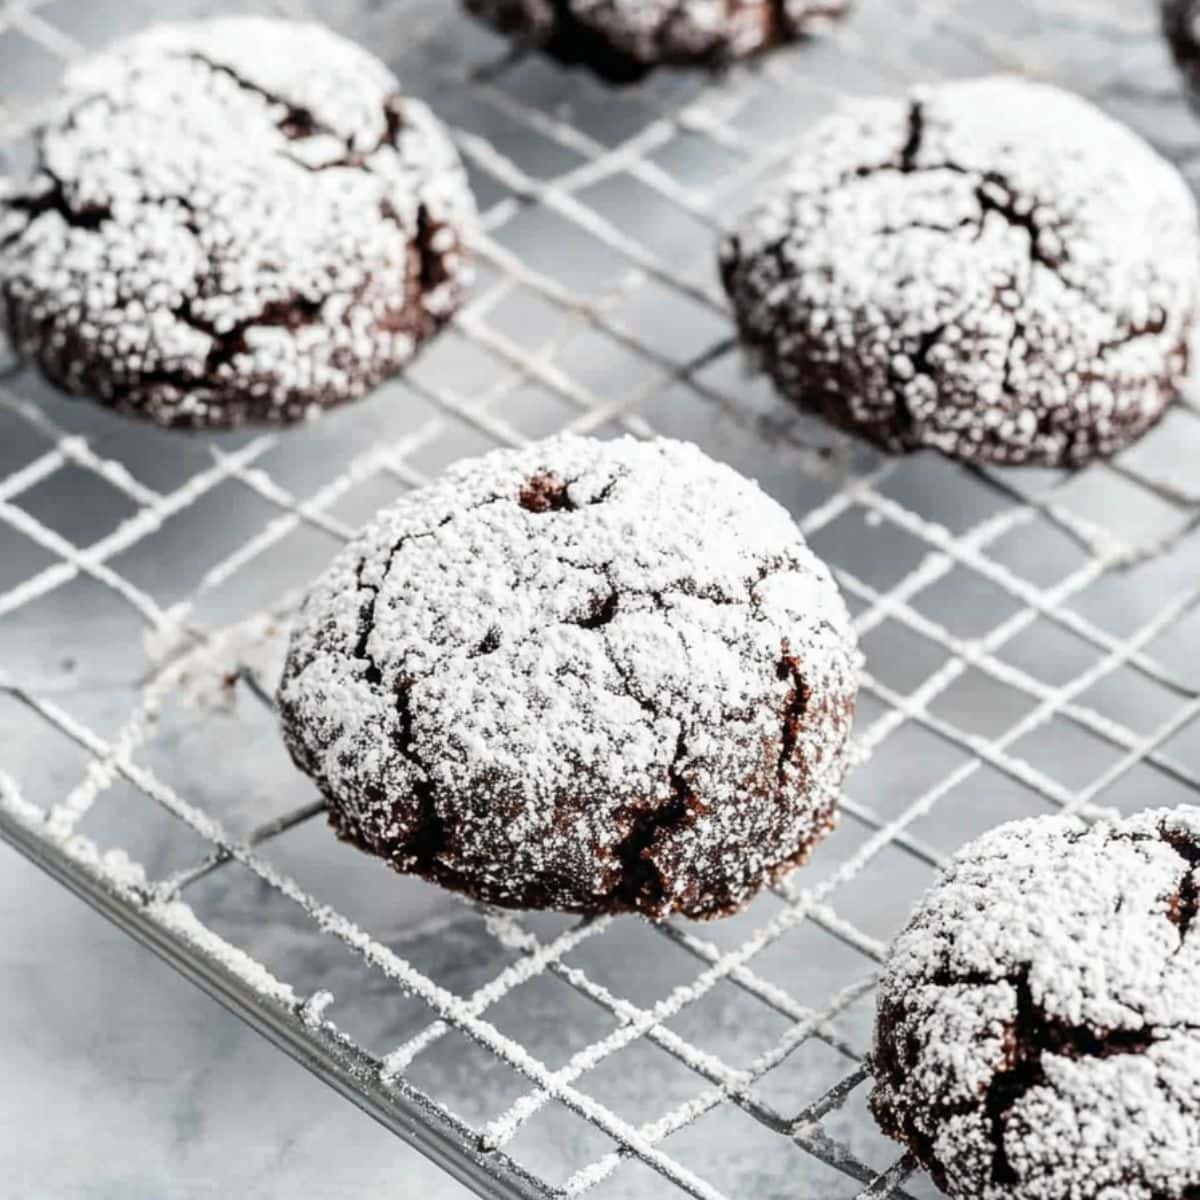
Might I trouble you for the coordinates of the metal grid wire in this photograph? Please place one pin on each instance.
(1030, 635)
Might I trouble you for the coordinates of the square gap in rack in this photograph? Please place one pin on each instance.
(1165, 783)
(610, 372)
(29, 69)
(1050, 652)
(208, 709)
(685, 329)
(881, 892)
(874, 552)
(816, 972)
(269, 572)
(170, 560)
(899, 656)
(95, 26)
(587, 105)
(556, 1141)
(640, 961)
(904, 766)
(643, 1080)
(988, 797)
(967, 603)
(428, 926)
(1068, 757)
(695, 160)
(683, 242)
(538, 412)
(124, 818)
(81, 633)
(526, 136)
(277, 933)
(21, 559)
(21, 441)
(940, 490)
(736, 1154)
(460, 368)
(527, 318)
(978, 704)
(364, 499)
(77, 504)
(1168, 456)
(1133, 700)
(471, 1080)
(1040, 550)
(730, 1022)
(804, 1077)
(41, 761)
(558, 246)
(164, 460)
(551, 1018)
(1127, 604)
(1131, 513)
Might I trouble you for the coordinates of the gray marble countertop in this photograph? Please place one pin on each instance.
(121, 1081)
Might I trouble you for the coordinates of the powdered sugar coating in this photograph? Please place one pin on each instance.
(1037, 1028)
(593, 676)
(622, 39)
(235, 220)
(993, 268)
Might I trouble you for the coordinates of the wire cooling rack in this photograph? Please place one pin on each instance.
(1032, 637)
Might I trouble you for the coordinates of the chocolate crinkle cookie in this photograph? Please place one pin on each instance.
(1038, 1034)
(239, 220)
(993, 268)
(589, 676)
(1181, 24)
(623, 39)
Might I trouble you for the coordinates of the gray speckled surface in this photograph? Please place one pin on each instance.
(120, 1081)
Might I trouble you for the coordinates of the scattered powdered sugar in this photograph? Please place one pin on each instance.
(120, 874)
(1037, 1026)
(622, 38)
(205, 673)
(237, 219)
(587, 675)
(993, 268)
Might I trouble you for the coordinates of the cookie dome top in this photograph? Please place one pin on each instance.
(1037, 1031)
(548, 642)
(235, 217)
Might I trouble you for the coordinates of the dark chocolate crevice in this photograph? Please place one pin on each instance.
(793, 709)
(489, 645)
(995, 195)
(54, 200)
(545, 493)
(642, 885)
(1033, 1034)
(431, 271)
(1184, 905)
(227, 344)
(430, 835)
(916, 133)
(297, 121)
(604, 608)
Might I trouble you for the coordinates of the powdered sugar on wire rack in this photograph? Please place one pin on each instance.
(1029, 635)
